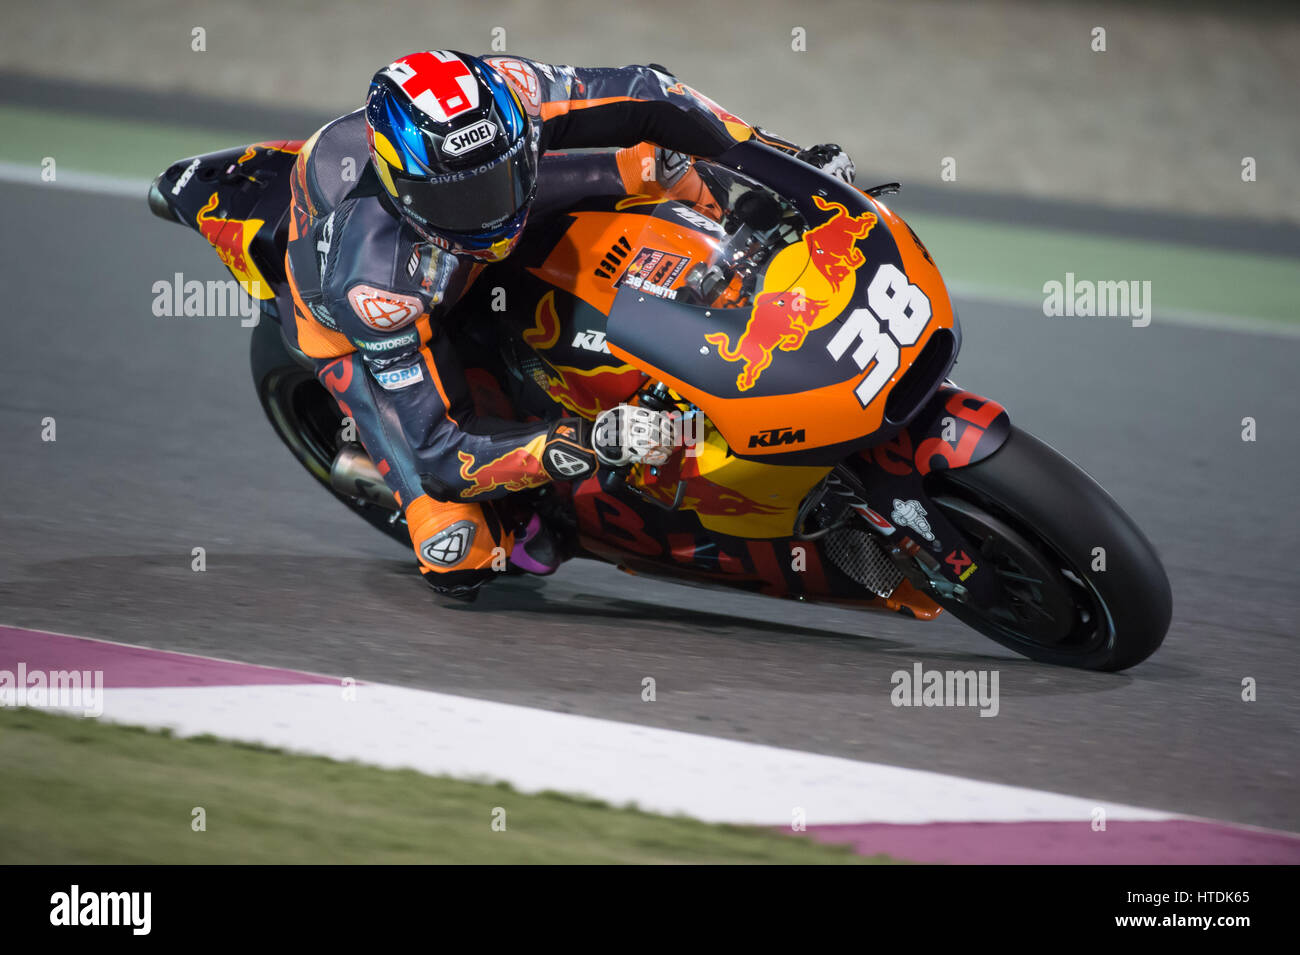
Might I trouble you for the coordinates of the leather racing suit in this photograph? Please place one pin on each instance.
(371, 298)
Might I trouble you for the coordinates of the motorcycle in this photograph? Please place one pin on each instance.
(801, 334)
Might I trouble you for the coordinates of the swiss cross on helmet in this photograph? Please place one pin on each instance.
(454, 149)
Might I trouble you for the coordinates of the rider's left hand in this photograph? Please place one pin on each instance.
(830, 158)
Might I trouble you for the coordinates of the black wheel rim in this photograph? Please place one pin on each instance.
(1046, 601)
(307, 417)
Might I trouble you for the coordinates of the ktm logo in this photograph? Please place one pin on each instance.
(775, 437)
(591, 341)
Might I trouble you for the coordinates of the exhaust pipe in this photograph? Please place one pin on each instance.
(354, 475)
(158, 203)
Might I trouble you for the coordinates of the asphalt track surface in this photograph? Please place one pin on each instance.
(161, 447)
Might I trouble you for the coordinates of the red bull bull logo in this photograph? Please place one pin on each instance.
(782, 319)
(832, 246)
(231, 238)
(516, 470)
(778, 320)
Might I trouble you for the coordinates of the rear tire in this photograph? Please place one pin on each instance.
(1039, 520)
(306, 418)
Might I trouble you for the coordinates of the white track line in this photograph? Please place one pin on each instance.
(662, 771)
(28, 175)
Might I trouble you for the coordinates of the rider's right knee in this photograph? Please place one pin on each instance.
(458, 545)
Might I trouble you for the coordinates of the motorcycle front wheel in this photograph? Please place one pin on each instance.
(1079, 584)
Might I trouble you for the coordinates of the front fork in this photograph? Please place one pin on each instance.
(955, 429)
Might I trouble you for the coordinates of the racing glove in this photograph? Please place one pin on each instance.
(628, 434)
(830, 158)
(632, 434)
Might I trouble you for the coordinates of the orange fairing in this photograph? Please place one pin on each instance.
(594, 253)
(832, 279)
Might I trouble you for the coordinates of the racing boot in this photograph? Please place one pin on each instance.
(535, 551)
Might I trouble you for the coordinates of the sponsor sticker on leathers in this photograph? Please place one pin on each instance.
(387, 344)
(395, 379)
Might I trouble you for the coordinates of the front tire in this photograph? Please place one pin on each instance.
(1039, 521)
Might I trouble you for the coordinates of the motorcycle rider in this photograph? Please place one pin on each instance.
(396, 210)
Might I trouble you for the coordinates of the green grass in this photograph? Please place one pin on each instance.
(80, 791)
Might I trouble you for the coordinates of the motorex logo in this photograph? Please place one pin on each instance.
(387, 344)
(463, 140)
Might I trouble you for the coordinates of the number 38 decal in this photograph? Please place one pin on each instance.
(894, 317)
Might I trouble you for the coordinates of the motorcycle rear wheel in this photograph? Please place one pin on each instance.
(306, 418)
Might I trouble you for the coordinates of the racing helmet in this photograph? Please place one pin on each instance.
(455, 150)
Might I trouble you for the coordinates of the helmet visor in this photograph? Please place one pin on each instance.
(471, 200)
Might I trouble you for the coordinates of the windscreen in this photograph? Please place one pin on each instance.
(738, 228)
